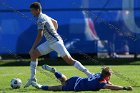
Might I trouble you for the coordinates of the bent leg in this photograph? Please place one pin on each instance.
(60, 77)
(76, 64)
(42, 49)
(45, 87)
(34, 62)
(60, 48)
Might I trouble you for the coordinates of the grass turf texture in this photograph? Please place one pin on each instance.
(7, 73)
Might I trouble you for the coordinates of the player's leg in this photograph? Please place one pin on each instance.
(52, 88)
(60, 48)
(33, 64)
(57, 74)
(67, 86)
(39, 51)
(77, 64)
(45, 87)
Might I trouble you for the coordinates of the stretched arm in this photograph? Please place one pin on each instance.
(115, 87)
(55, 23)
(38, 39)
(109, 83)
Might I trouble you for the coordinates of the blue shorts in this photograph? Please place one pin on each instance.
(69, 84)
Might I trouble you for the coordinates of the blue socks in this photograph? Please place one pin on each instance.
(44, 87)
(58, 75)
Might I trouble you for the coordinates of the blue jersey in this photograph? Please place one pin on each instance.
(94, 83)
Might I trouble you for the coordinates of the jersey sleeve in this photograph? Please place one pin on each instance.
(102, 85)
(40, 25)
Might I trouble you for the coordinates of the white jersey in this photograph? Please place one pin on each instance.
(44, 23)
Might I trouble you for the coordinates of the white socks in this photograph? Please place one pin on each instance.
(33, 66)
(77, 64)
(80, 67)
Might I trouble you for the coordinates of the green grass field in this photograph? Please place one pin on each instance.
(7, 73)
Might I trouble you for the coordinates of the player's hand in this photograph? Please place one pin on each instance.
(109, 83)
(31, 50)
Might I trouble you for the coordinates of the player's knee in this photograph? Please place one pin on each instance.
(63, 79)
(69, 60)
(33, 55)
(72, 61)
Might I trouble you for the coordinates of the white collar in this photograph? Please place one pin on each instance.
(40, 14)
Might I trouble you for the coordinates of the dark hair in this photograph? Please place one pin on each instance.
(106, 71)
(36, 5)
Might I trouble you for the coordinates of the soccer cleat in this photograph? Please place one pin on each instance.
(49, 68)
(36, 85)
(129, 88)
(29, 82)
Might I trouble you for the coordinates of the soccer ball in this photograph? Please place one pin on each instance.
(16, 83)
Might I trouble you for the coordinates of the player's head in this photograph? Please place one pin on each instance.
(35, 8)
(106, 72)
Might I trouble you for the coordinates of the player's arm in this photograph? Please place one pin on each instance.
(115, 87)
(38, 38)
(40, 26)
(55, 24)
(108, 82)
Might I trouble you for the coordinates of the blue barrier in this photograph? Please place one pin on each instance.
(89, 22)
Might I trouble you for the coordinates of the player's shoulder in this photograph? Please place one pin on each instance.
(97, 74)
(42, 17)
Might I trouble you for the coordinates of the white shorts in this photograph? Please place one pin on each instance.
(58, 46)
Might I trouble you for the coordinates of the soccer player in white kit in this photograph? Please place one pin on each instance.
(48, 27)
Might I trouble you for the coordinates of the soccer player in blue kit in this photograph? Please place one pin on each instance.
(94, 83)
